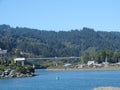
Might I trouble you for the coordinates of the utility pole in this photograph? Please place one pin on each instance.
(56, 64)
(81, 66)
(106, 62)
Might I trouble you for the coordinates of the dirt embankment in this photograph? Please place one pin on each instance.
(107, 88)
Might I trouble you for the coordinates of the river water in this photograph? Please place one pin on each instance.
(63, 80)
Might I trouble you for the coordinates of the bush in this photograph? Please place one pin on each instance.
(21, 69)
(30, 69)
(2, 68)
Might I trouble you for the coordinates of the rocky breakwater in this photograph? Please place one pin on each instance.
(17, 72)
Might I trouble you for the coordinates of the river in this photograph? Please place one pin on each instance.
(63, 80)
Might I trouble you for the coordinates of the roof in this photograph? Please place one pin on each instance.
(68, 64)
(19, 59)
(3, 51)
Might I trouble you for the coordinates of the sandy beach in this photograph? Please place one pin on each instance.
(107, 88)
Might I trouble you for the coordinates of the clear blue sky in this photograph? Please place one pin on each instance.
(102, 15)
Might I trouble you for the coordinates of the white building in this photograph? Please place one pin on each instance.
(19, 60)
(67, 64)
(90, 63)
(3, 54)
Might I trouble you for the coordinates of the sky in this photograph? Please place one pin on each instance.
(101, 15)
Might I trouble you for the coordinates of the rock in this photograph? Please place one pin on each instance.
(7, 71)
(10, 73)
(1, 72)
(2, 75)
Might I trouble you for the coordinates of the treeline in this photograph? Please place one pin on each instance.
(32, 42)
(101, 56)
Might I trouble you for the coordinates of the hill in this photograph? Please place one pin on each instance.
(32, 42)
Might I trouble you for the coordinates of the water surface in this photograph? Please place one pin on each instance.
(68, 80)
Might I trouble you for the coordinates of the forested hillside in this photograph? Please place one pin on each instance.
(32, 42)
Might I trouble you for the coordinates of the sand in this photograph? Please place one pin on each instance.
(107, 88)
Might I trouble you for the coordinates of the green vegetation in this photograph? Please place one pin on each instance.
(22, 69)
(90, 44)
(25, 69)
(100, 55)
(2, 67)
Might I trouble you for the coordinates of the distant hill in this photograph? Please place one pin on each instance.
(32, 42)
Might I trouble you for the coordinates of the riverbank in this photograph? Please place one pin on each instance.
(107, 88)
(85, 68)
(16, 71)
(12, 73)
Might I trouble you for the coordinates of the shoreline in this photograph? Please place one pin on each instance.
(12, 73)
(101, 68)
(16, 72)
(107, 88)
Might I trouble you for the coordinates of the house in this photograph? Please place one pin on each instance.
(3, 55)
(90, 63)
(22, 60)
